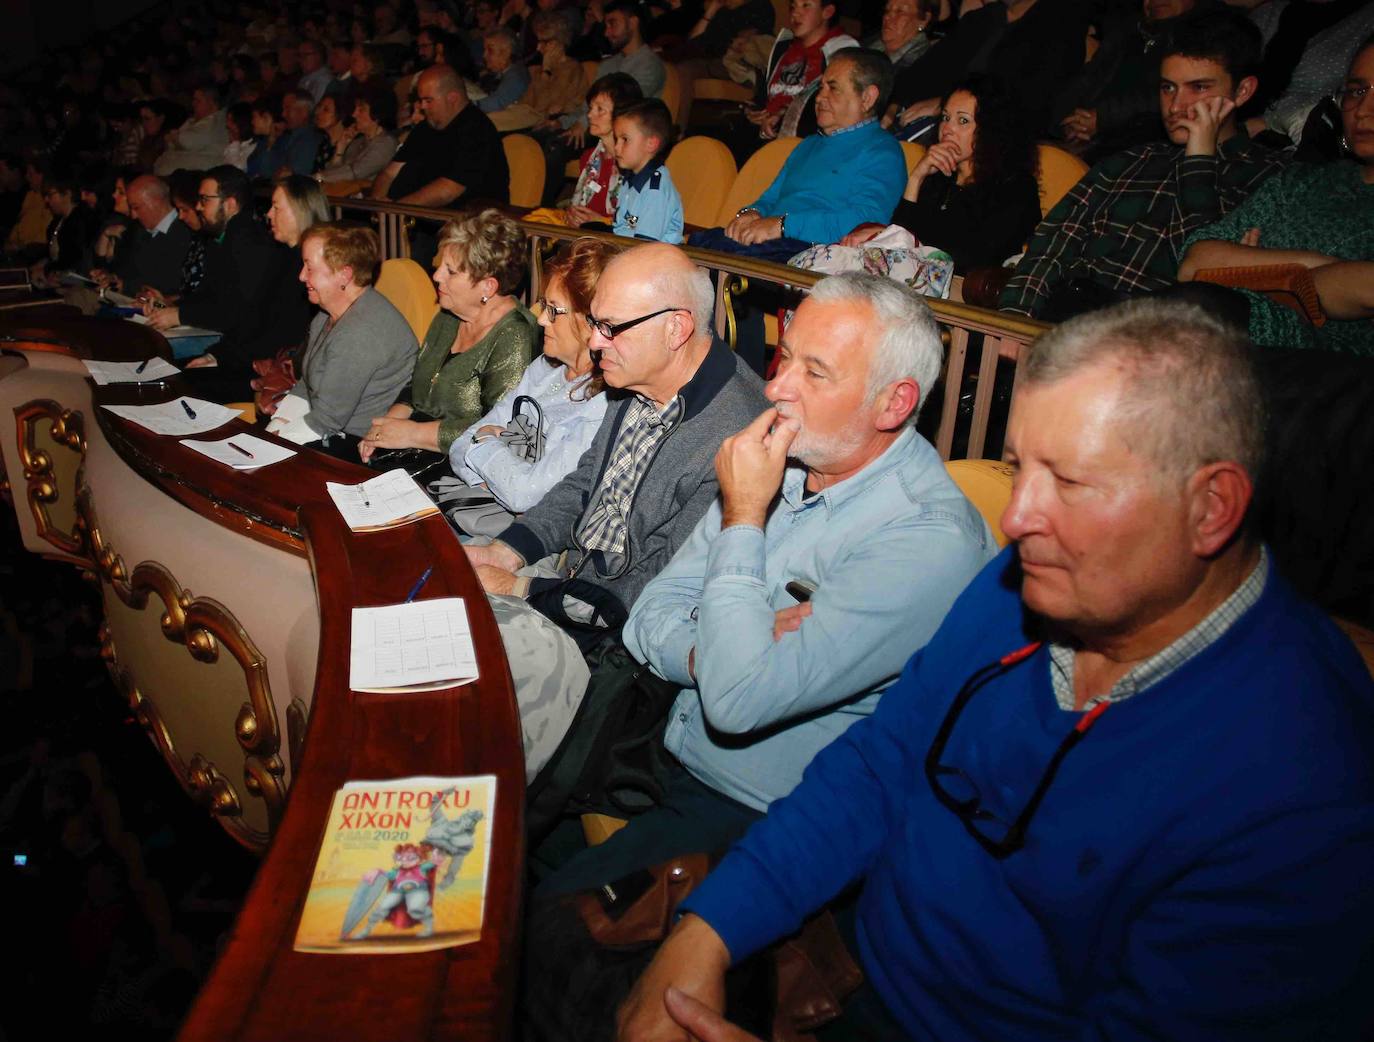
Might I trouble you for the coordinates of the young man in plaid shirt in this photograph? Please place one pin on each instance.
(1120, 230)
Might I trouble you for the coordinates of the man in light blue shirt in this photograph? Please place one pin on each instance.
(836, 546)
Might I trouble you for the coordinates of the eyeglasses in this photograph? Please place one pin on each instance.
(209, 198)
(553, 309)
(966, 804)
(610, 332)
(1350, 96)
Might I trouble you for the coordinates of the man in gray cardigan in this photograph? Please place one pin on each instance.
(616, 521)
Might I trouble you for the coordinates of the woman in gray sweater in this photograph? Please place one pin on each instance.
(360, 350)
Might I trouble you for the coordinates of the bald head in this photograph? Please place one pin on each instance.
(664, 275)
(441, 95)
(150, 200)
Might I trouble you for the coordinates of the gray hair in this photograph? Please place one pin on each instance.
(1190, 394)
(693, 289)
(868, 68)
(501, 32)
(908, 343)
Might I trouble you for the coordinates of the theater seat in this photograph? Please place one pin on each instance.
(1059, 171)
(755, 176)
(671, 95)
(913, 152)
(703, 171)
(987, 483)
(526, 161)
(411, 292)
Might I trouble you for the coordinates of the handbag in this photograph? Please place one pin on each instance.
(275, 377)
(471, 509)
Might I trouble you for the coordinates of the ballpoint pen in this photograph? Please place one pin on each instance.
(189, 411)
(419, 584)
(143, 365)
(237, 448)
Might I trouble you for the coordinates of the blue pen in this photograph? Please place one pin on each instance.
(419, 585)
(189, 411)
(143, 365)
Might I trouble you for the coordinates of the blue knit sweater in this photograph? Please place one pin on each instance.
(832, 182)
(1200, 869)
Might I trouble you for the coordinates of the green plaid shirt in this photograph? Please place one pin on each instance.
(1123, 225)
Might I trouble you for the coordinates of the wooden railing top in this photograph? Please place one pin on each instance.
(260, 989)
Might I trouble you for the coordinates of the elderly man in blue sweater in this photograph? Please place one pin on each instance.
(850, 170)
(1127, 789)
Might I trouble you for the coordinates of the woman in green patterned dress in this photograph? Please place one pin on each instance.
(476, 348)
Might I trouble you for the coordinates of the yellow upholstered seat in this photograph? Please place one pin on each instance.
(987, 483)
(756, 175)
(913, 153)
(411, 292)
(703, 171)
(526, 161)
(1059, 171)
(671, 95)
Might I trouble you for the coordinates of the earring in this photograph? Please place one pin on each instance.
(485, 298)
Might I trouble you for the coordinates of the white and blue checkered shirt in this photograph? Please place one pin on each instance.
(606, 527)
(1160, 665)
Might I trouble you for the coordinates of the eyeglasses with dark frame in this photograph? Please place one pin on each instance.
(610, 332)
(970, 810)
(209, 198)
(1350, 96)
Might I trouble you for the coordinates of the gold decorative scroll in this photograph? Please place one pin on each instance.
(205, 628)
(66, 428)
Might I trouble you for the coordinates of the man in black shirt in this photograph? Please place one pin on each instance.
(456, 153)
(158, 250)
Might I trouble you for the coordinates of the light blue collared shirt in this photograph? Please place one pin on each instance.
(887, 550)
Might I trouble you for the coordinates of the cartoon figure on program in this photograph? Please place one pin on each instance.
(406, 892)
(455, 838)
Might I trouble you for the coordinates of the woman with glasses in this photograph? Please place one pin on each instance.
(556, 86)
(478, 345)
(535, 435)
(1318, 216)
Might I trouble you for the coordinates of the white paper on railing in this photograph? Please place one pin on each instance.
(173, 418)
(127, 372)
(390, 499)
(422, 645)
(242, 451)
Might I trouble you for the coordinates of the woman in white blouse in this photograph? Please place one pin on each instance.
(563, 382)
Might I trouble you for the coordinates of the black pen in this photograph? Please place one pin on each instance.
(242, 450)
(419, 584)
(189, 411)
(143, 365)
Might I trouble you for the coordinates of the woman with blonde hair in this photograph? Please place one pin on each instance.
(298, 203)
(478, 345)
(360, 349)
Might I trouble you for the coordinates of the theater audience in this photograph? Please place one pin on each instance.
(455, 153)
(370, 149)
(184, 186)
(849, 172)
(597, 192)
(158, 246)
(799, 57)
(71, 230)
(334, 120)
(830, 489)
(197, 144)
(1032, 46)
(30, 231)
(974, 193)
(359, 351)
(1121, 229)
(315, 74)
(999, 848)
(903, 36)
(299, 146)
(504, 77)
(1318, 216)
(1113, 101)
(297, 205)
(564, 383)
(556, 86)
(238, 124)
(478, 345)
(637, 492)
(155, 117)
(649, 206)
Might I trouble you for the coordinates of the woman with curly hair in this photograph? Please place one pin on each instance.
(974, 193)
(476, 348)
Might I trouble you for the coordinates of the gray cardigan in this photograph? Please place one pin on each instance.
(354, 371)
(721, 399)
